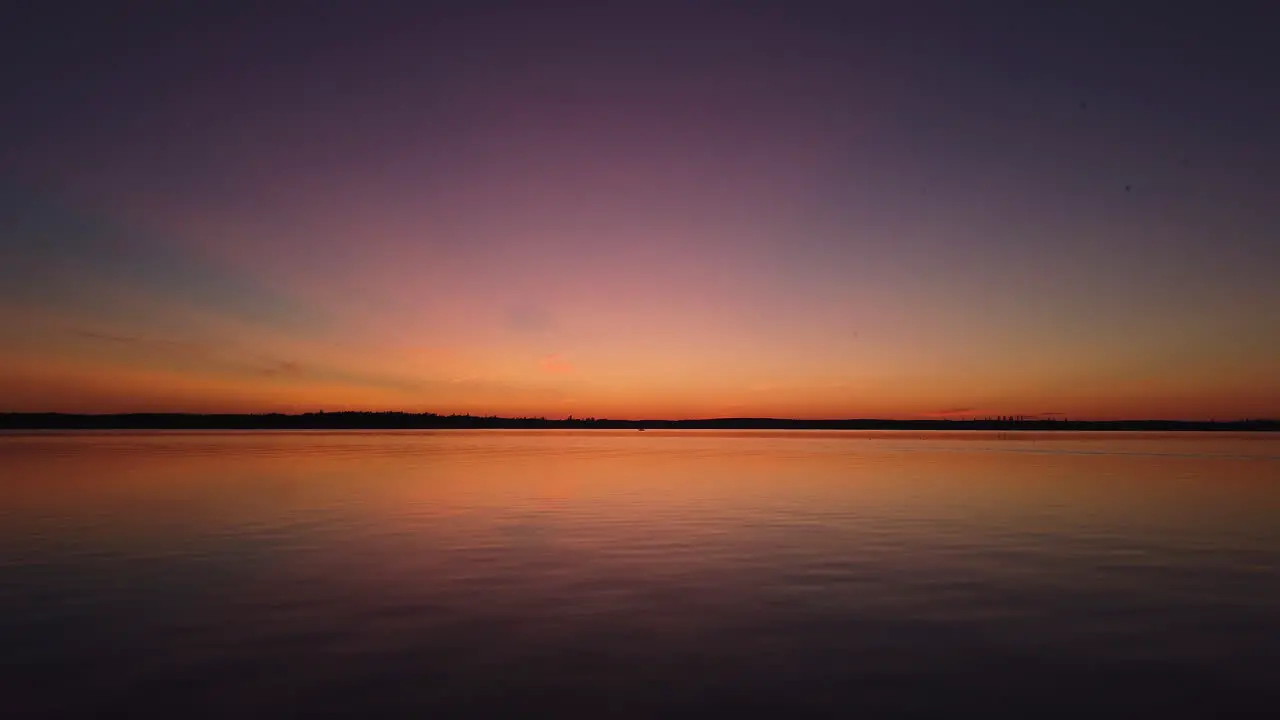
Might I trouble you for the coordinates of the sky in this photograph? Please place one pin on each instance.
(637, 210)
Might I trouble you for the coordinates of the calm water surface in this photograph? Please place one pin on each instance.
(652, 574)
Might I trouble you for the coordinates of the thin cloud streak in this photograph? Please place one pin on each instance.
(556, 364)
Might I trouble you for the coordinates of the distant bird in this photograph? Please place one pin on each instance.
(1126, 188)
(1083, 105)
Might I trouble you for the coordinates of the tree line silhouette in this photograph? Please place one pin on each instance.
(353, 420)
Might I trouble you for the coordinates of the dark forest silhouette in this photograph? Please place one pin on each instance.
(432, 421)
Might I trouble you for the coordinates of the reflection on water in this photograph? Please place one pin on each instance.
(638, 574)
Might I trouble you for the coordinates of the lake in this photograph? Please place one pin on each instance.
(627, 574)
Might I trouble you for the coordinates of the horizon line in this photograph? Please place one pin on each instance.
(1044, 418)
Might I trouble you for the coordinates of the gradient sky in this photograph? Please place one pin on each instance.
(640, 209)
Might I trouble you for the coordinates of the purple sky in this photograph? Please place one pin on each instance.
(680, 209)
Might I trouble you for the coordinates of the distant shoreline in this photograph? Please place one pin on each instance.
(430, 421)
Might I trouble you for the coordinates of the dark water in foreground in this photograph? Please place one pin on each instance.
(647, 574)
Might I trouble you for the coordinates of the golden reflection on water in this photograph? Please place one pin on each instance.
(668, 569)
(658, 481)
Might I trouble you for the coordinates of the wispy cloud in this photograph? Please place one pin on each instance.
(530, 319)
(555, 364)
(139, 341)
(282, 368)
(951, 411)
(107, 337)
(423, 353)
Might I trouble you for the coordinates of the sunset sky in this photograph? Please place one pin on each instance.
(649, 209)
